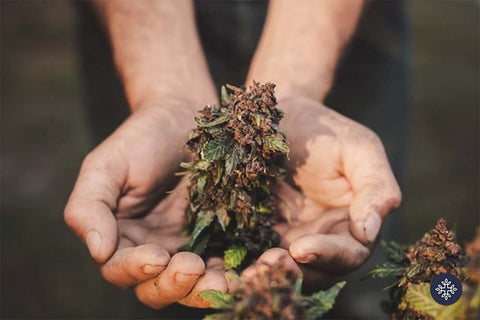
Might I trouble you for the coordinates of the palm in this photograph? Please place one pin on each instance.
(338, 176)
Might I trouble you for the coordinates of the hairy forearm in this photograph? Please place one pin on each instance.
(157, 50)
(301, 44)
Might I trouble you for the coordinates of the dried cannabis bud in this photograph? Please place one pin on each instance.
(272, 294)
(417, 265)
(236, 148)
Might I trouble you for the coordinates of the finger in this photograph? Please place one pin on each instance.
(332, 253)
(131, 265)
(271, 257)
(174, 283)
(211, 280)
(89, 209)
(375, 189)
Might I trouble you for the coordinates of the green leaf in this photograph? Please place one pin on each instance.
(200, 243)
(225, 97)
(218, 299)
(219, 120)
(298, 286)
(418, 298)
(384, 270)
(396, 252)
(276, 143)
(233, 158)
(234, 256)
(263, 209)
(201, 181)
(204, 219)
(321, 302)
(223, 218)
(213, 150)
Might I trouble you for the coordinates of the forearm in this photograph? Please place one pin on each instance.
(301, 44)
(157, 51)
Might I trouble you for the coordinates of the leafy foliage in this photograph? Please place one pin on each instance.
(218, 299)
(273, 294)
(235, 147)
(234, 256)
(415, 266)
(321, 302)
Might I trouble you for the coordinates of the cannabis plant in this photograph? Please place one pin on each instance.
(237, 151)
(414, 268)
(272, 294)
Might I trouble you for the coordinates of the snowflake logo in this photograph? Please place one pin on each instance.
(446, 289)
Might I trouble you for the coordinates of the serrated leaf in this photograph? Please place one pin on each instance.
(234, 256)
(219, 120)
(276, 143)
(204, 219)
(218, 299)
(233, 158)
(201, 181)
(418, 298)
(213, 150)
(298, 286)
(223, 218)
(396, 252)
(384, 270)
(321, 302)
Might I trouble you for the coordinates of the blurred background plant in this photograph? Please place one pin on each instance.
(45, 270)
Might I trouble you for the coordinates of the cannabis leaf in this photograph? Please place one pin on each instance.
(207, 124)
(276, 143)
(233, 159)
(418, 298)
(213, 150)
(321, 302)
(234, 256)
(203, 220)
(396, 252)
(218, 299)
(384, 270)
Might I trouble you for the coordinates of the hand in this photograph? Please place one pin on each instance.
(339, 191)
(119, 208)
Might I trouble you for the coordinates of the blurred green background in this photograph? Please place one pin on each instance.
(45, 270)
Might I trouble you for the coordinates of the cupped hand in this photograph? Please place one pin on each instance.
(120, 208)
(339, 191)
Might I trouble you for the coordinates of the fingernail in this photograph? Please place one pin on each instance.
(372, 226)
(153, 269)
(307, 259)
(181, 278)
(93, 241)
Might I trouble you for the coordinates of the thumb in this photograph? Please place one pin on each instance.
(369, 208)
(89, 211)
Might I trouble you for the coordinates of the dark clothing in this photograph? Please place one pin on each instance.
(371, 87)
